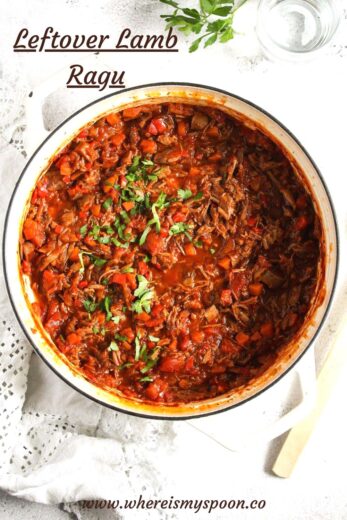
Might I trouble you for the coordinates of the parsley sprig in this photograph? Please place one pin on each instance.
(143, 294)
(214, 19)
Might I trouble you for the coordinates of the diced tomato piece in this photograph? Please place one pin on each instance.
(118, 139)
(58, 229)
(256, 289)
(152, 129)
(171, 364)
(224, 263)
(252, 221)
(120, 278)
(113, 119)
(148, 146)
(179, 217)
(156, 310)
(50, 281)
(182, 128)
(190, 249)
(34, 231)
(83, 284)
(301, 223)
(256, 336)
(128, 205)
(131, 279)
(160, 125)
(242, 338)
(184, 343)
(228, 347)
(189, 363)
(143, 316)
(132, 113)
(73, 339)
(225, 297)
(198, 336)
(154, 243)
(267, 329)
(152, 391)
(142, 267)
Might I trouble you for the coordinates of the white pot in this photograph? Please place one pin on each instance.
(22, 296)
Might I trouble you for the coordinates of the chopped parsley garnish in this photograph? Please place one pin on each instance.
(198, 196)
(113, 346)
(180, 227)
(146, 379)
(212, 250)
(115, 319)
(107, 203)
(90, 305)
(83, 230)
(106, 303)
(160, 203)
(184, 194)
(127, 270)
(144, 295)
(94, 259)
(198, 243)
(119, 244)
(153, 338)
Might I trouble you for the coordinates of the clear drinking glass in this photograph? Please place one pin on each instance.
(296, 30)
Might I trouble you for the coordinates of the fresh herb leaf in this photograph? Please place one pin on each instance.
(107, 203)
(150, 364)
(98, 261)
(144, 235)
(212, 22)
(184, 194)
(153, 338)
(146, 379)
(180, 227)
(106, 303)
(90, 305)
(115, 319)
(144, 295)
(198, 243)
(113, 346)
(83, 230)
(212, 250)
(124, 365)
(198, 196)
(127, 270)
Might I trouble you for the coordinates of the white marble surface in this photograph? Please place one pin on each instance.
(311, 100)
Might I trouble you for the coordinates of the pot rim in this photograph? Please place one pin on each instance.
(280, 375)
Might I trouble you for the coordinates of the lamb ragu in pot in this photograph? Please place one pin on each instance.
(173, 251)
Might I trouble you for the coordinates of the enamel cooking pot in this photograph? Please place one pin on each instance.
(22, 296)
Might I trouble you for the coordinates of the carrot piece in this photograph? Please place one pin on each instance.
(96, 210)
(213, 131)
(113, 119)
(109, 183)
(128, 205)
(194, 171)
(198, 336)
(34, 232)
(190, 249)
(267, 329)
(65, 168)
(132, 113)
(224, 263)
(73, 339)
(148, 146)
(118, 139)
(242, 338)
(256, 289)
(74, 254)
(182, 128)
